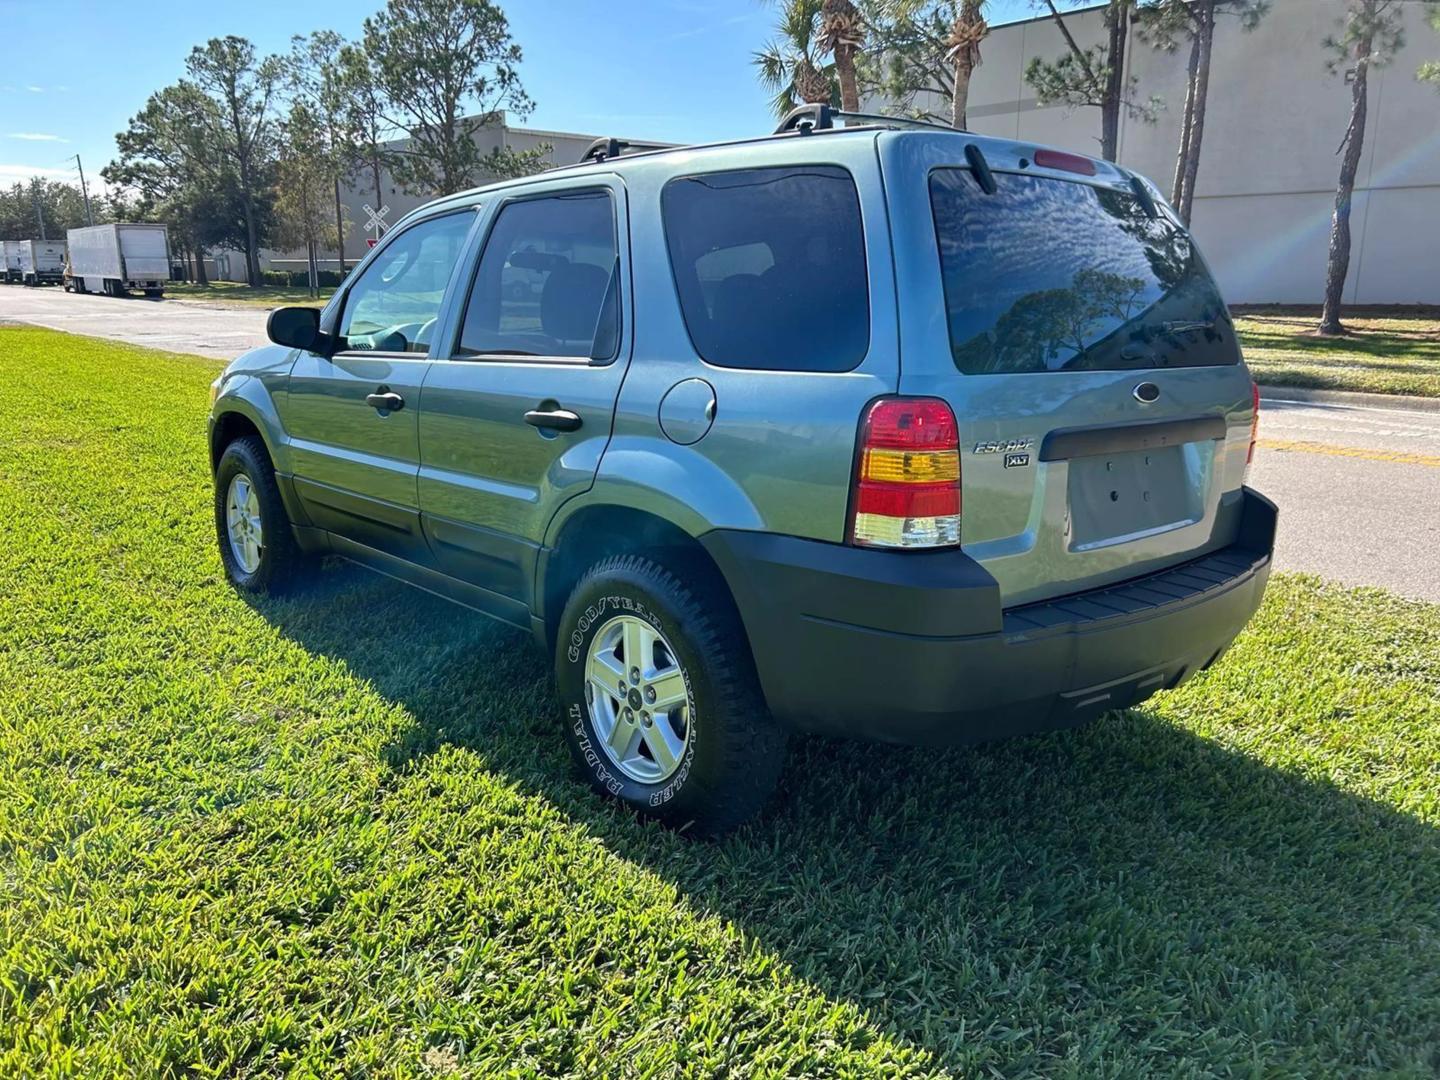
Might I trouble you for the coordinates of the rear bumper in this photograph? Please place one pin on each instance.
(915, 647)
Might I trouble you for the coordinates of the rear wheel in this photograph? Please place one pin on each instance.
(662, 707)
(257, 547)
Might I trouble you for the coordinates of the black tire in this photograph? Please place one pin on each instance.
(281, 563)
(734, 751)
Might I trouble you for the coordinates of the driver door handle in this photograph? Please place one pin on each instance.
(558, 419)
(386, 401)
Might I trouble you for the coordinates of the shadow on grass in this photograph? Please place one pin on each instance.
(1127, 896)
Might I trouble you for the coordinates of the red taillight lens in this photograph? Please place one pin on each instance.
(907, 476)
(1254, 422)
(1055, 159)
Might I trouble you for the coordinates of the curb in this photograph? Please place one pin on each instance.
(1399, 402)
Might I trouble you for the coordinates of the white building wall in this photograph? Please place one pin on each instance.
(1275, 116)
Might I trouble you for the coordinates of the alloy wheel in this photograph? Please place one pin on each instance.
(638, 700)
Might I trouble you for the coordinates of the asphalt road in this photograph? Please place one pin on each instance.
(215, 330)
(1359, 493)
(1358, 486)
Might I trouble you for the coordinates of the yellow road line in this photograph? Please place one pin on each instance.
(1397, 456)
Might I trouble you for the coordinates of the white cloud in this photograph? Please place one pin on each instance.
(35, 89)
(35, 136)
(10, 175)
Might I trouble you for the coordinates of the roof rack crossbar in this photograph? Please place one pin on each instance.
(821, 117)
(807, 118)
(611, 147)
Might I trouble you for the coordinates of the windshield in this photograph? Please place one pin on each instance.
(1054, 275)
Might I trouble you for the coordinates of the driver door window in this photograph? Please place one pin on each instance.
(393, 306)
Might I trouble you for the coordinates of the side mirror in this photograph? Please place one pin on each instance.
(295, 327)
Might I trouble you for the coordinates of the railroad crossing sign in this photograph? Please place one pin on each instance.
(375, 219)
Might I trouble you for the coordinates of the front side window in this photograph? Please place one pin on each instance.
(548, 282)
(393, 305)
(769, 265)
(1057, 275)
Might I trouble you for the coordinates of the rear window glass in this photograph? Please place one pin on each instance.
(770, 267)
(1053, 275)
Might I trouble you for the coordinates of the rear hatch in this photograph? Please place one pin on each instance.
(1092, 366)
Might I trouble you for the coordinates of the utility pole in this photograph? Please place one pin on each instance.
(35, 198)
(89, 217)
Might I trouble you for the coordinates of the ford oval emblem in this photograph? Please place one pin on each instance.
(1147, 393)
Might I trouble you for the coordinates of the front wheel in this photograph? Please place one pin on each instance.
(662, 709)
(257, 547)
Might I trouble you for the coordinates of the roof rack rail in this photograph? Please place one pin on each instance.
(604, 148)
(821, 117)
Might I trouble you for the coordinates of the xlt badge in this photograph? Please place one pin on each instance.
(1015, 461)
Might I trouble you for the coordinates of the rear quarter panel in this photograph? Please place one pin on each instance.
(779, 454)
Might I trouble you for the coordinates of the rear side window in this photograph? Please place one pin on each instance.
(1054, 275)
(548, 281)
(770, 267)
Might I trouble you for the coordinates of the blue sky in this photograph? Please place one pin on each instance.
(72, 72)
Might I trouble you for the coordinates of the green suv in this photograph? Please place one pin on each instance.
(878, 430)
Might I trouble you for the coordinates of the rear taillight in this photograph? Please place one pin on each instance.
(1254, 422)
(907, 476)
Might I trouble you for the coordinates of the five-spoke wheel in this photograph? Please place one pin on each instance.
(243, 526)
(637, 698)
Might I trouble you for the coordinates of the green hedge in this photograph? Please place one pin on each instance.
(299, 279)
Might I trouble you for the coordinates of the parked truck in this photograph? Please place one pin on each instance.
(115, 259)
(9, 260)
(42, 262)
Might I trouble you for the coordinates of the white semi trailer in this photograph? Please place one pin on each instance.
(9, 260)
(42, 262)
(114, 259)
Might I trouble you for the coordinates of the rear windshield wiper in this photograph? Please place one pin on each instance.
(1190, 326)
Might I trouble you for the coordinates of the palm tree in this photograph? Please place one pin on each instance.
(790, 64)
(964, 41)
(842, 34)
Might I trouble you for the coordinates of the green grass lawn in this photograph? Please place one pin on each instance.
(234, 292)
(339, 834)
(1388, 351)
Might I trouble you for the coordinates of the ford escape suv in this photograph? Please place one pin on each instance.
(878, 430)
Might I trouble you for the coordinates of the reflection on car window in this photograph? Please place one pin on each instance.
(393, 306)
(770, 267)
(1056, 275)
(547, 282)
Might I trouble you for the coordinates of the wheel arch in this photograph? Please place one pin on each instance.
(228, 426)
(244, 408)
(598, 530)
(236, 416)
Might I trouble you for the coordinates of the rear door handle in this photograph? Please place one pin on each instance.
(386, 401)
(557, 419)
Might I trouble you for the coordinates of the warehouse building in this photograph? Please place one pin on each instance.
(1268, 170)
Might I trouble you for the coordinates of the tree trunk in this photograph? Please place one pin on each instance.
(1182, 156)
(1202, 91)
(1339, 264)
(201, 278)
(845, 74)
(339, 228)
(252, 244)
(1117, 18)
(967, 59)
